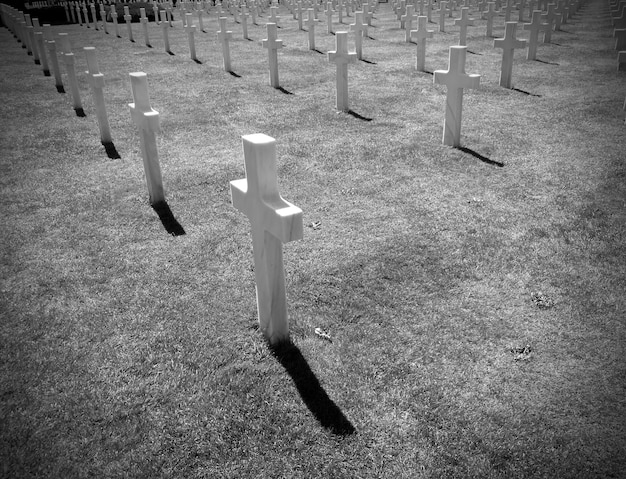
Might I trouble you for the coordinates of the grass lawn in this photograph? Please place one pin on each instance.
(475, 297)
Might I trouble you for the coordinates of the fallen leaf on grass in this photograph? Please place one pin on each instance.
(323, 334)
(541, 300)
(522, 353)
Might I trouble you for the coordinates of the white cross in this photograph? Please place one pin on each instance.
(535, 26)
(456, 80)
(463, 22)
(224, 37)
(311, 27)
(127, 18)
(272, 45)
(103, 16)
(341, 57)
(69, 59)
(442, 15)
(165, 28)
(360, 31)
(114, 17)
(508, 44)
(273, 15)
(273, 221)
(190, 28)
(329, 17)
(421, 34)
(489, 16)
(147, 120)
(408, 19)
(144, 22)
(549, 18)
(96, 80)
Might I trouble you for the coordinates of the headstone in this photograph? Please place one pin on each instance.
(341, 58)
(92, 7)
(535, 27)
(103, 17)
(310, 23)
(165, 28)
(114, 18)
(360, 31)
(127, 19)
(329, 17)
(272, 45)
(420, 35)
(548, 17)
(463, 22)
(147, 121)
(191, 30)
(224, 37)
(508, 44)
(244, 23)
(489, 15)
(56, 69)
(442, 15)
(408, 18)
(96, 81)
(68, 59)
(144, 22)
(43, 57)
(620, 38)
(456, 80)
(274, 221)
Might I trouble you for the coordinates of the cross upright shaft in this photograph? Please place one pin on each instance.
(273, 221)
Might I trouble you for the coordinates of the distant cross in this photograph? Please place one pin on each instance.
(144, 23)
(463, 22)
(300, 15)
(96, 80)
(190, 28)
(224, 38)
(92, 7)
(103, 16)
(329, 17)
(521, 7)
(620, 38)
(442, 15)
(508, 11)
(535, 27)
(456, 80)
(56, 69)
(310, 23)
(489, 16)
(70, 67)
(155, 11)
(360, 31)
(421, 34)
(549, 18)
(244, 22)
(508, 44)
(127, 18)
(147, 121)
(43, 57)
(114, 18)
(429, 11)
(341, 57)
(86, 14)
(340, 10)
(272, 45)
(273, 221)
(200, 13)
(273, 15)
(408, 18)
(165, 28)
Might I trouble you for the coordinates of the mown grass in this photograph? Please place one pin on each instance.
(130, 352)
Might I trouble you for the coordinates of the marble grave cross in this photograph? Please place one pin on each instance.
(463, 22)
(147, 120)
(341, 57)
(273, 221)
(69, 60)
(508, 44)
(535, 27)
(272, 45)
(456, 80)
(191, 30)
(489, 16)
(127, 18)
(96, 81)
(224, 36)
(421, 34)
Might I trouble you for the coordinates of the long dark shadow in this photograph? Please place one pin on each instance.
(112, 153)
(235, 74)
(80, 112)
(171, 224)
(357, 116)
(282, 90)
(197, 61)
(526, 92)
(169, 52)
(311, 391)
(474, 53)
(546, 62)
(479, 156)
(60, 89)
(368, 62)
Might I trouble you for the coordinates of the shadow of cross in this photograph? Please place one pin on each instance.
(273, 221)
(147, 120)
(455, 79)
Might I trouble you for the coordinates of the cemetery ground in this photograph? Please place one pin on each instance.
(474, 297)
